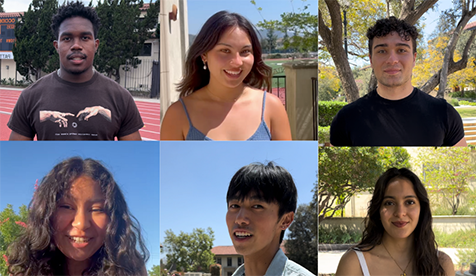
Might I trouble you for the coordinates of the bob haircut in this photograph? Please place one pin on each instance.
(425, 255)
(194, 75)
(75, 9)
(269, 183)
(35, 253)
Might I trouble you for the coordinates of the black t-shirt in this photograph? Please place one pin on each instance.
(55, 109)
(417, 120)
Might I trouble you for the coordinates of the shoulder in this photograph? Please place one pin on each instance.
(173, 122)
(38, 85)
(349, 264)
(422, 96)
(293, 268)
(446, 263)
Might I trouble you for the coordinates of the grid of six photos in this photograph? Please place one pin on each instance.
(70, 206)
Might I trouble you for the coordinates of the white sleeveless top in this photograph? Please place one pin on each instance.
(362, 262)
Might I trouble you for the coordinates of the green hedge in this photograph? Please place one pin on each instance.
(467, 94)
(328, 110)
(339, 235)
(324, 134)
(467, 103)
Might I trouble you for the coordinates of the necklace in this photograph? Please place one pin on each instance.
(217, 97)
(403, 270)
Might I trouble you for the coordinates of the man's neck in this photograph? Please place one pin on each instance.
(394, 93)
(80, 78)
(258, 263)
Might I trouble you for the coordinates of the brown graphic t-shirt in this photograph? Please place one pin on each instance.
(55, 109)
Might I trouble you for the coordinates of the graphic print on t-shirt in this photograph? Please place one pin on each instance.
(61, 119)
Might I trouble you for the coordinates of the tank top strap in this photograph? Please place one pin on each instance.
(363, 263)
(262, 108)
(186, 112)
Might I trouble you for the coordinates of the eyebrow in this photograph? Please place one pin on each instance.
(386, 45)
(250, 198)
(408, 196)
(70, 34)
(246, 46)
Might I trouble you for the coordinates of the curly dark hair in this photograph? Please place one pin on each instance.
(392, 24)
(35, 253)
(195, 77)
(74, 9)
(426, 248)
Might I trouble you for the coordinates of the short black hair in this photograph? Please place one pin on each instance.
(74, 9)
(270, 183)
(385, 26)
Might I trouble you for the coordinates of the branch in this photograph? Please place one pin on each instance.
(411, 15)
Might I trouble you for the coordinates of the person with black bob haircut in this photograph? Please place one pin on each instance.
(79, 224)
(220, 93)
(398, 238)
(75, 102)
(261, 204)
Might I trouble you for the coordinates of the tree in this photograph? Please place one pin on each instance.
(1, 5)
(271, 39)
(154, 271)
(11, 226)
(34, 51)
(122, 33)
(190, 252)
(301, 245)
(345, 171)
(447, 172)
(302, 24)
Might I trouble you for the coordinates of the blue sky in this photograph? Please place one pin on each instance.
(134, 165)
(195, 178)
(200, 10)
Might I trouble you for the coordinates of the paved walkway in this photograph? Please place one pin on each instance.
(328, 260)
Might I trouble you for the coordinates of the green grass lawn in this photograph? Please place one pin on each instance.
(467, 112)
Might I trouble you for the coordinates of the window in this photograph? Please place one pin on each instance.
(219, 261)
(146, 50)
(228, 261)
(240, 261)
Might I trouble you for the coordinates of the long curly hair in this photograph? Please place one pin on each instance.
(426, 248)
(195, 77)
(385, 26)
(35, 253)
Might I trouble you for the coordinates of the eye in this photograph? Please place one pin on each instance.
(233, 206)
(86, 37)
(402, 50)
(98, 209)
(388, 203)
(258, 206)
(66, 38)
(225, 51)
(381, 51)
(66, 206)
(411, 202)
(247, 51)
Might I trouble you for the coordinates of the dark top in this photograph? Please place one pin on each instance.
(417, 120)
(55, 109)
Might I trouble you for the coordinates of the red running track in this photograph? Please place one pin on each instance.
(150, 112)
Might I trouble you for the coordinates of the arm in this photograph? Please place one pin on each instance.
(18, 137)
(279, 127)
(171, 127)
(349, 265)
(446, 263)
(131, 137)
(461, 143)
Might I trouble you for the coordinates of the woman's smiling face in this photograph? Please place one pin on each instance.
(231, 60)
(80, 221)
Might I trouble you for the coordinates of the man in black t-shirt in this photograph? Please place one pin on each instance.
(396, 113)
(75, 102)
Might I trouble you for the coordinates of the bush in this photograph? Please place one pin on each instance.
(454, 102)
(328, 110)
(338, 235)
(466, 257)
(467, 94)
(275, 56)
(467, 103)
(457, 239)
(323, 135)
(215, 269)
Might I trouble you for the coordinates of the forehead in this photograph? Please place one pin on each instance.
(400, 187)
(235, 34)
(76, 24)
(85, 188)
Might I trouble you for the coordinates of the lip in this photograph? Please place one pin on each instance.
(392, 71)
(235, 73)
(400, 224)
(79, 245)
(243, 238)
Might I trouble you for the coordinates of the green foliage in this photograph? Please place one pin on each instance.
(453, 102)
(215, 270)
(33, 51)
(345, 171)
(464, 94)
(301, 244)
(324, 134)
(1, 6)
(155, 271)
(10, 229)
(122, 33)
(466, 257)
(339, 235)
(467, 103)
(328, 110)
(190, 252)
(457, 239)
(447, 173)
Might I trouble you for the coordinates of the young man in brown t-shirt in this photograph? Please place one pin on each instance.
(75, 102)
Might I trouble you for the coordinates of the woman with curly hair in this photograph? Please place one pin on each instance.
(398, 239)
(220, 93)
(79, 224)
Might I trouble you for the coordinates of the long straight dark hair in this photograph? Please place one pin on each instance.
(195, 77)
(426, 248)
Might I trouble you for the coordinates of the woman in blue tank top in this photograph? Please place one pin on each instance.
(398, 238)
(220, 94)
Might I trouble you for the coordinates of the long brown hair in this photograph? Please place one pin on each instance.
(425, 256)
(194, 75)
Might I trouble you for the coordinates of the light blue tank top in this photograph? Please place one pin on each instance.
(262, 133)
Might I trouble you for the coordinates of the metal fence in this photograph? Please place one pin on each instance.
(315, 118)
(136, 75)
(279, 88)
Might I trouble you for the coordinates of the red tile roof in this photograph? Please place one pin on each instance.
(470, 25)
(10, 14)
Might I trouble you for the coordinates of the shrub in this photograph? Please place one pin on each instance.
(328, 110)
(467, 94)
(215, 269)
(338, 235)
(467, 103)
(454, 102)
(323, 134)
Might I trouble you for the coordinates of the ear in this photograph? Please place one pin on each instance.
(370, 58)
(286, 220)
(414, 58)
(55, 44)
(204, 58)
(96, 44)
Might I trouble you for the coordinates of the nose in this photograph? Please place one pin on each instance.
(77, 44)
(242, 217)
(81, 220)
(236, 60)
(392, 58)
(400, 211)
